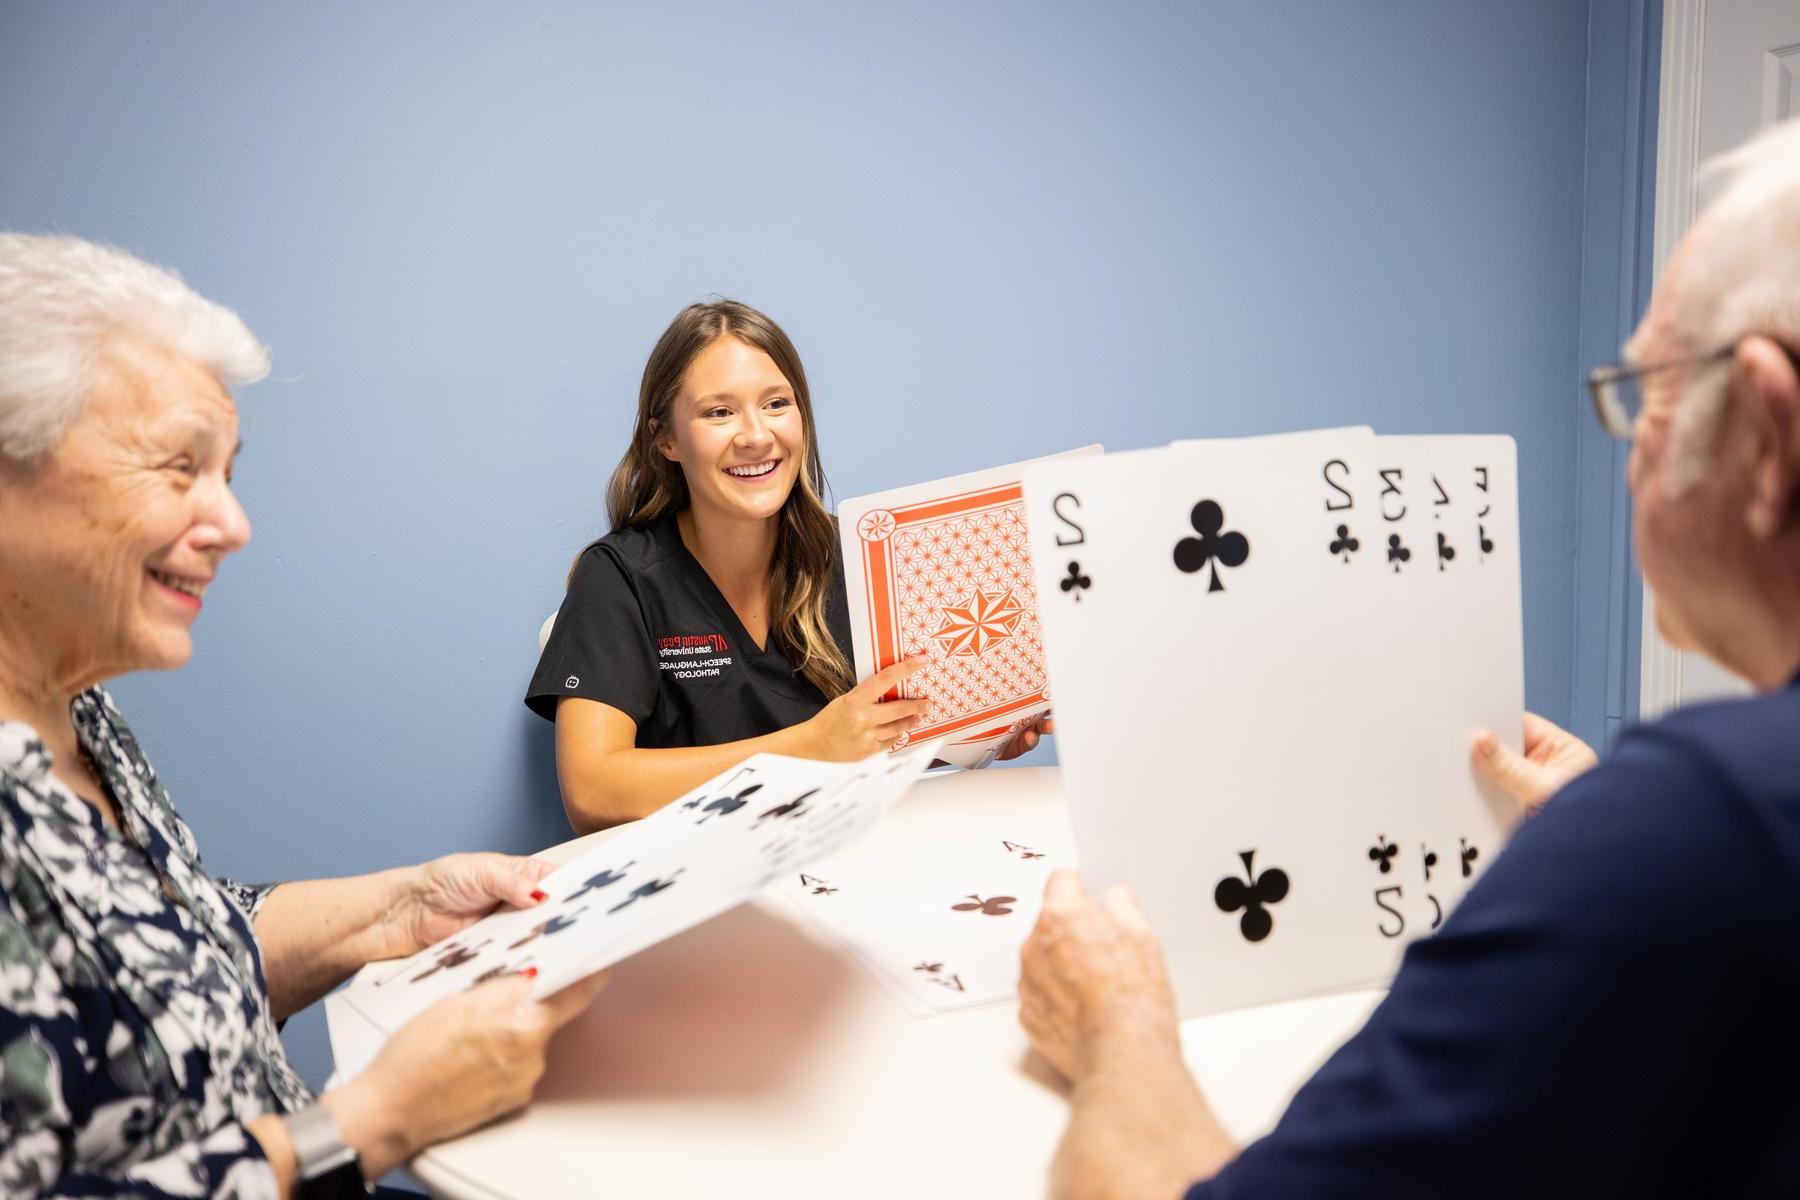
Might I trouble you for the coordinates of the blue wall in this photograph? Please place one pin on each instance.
(994, 230)
(1625, 39)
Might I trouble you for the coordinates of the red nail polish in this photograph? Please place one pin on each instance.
(540, 895)
(529, 972)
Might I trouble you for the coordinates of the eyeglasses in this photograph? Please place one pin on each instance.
(1618, 390)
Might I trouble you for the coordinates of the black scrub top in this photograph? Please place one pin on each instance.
(644, 629)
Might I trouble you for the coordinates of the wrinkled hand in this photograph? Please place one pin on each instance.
(1027, 738)
(859, 722)
(1091, 972)
(1553, 756)
(462, 1062)
(447, 895)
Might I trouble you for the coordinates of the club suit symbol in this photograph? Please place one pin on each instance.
(791, 810)
(1397, 552)
(993, 906)
(647, 889)
(549, 928)
(1345, 544)
(1253, 894)
(1382, 854)
(1075, 582)
(1212, 544)
(724, 805)
(1487, 543)
(1446, 552)
(1469, 855)
(1430, 858)
(606, 878)
(454, 958)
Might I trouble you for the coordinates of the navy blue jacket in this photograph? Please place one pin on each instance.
(1613, 1010)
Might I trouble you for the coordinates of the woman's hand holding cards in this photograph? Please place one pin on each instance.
(1026, 740)
(441, 898)
(860, 722)
(467, 1059)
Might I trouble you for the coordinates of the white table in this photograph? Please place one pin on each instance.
(750, 1056)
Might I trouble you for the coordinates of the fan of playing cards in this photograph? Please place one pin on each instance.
(705, 852)
(1270, 657)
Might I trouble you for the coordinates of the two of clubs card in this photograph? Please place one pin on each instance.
(1270, 662)
(705, 852)
(944, 569)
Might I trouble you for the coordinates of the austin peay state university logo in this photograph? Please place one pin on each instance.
(692, 643)
(693, 655)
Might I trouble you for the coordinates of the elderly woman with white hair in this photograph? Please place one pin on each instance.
(139, 995)
(1610, 1011)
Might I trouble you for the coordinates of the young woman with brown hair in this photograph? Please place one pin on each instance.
(710, 624)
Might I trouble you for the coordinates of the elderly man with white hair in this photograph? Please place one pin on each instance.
(139, 995)
(1610, 1011)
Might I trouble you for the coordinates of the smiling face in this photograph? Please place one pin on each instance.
(108, 544)
(737, 433)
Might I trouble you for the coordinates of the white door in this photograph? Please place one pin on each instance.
(1729, 68)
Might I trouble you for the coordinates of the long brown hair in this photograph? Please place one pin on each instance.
(646, 485)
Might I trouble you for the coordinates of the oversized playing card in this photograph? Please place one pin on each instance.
(944, 568)
(1267, 681)
(1219, 709)
(938, 925)
(1441, 518)
(704, 853)
(1479, 638)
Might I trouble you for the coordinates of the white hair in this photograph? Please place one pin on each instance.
(1737, 273)
(60, 297)
(1749, 241)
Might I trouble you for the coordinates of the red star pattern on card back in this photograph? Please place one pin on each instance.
(976, 626)
(945, 562)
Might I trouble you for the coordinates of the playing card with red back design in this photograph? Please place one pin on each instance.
(944, 569)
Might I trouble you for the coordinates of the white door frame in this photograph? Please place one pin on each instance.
(1677, 163)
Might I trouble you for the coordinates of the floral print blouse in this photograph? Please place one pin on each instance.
(135, 1033)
